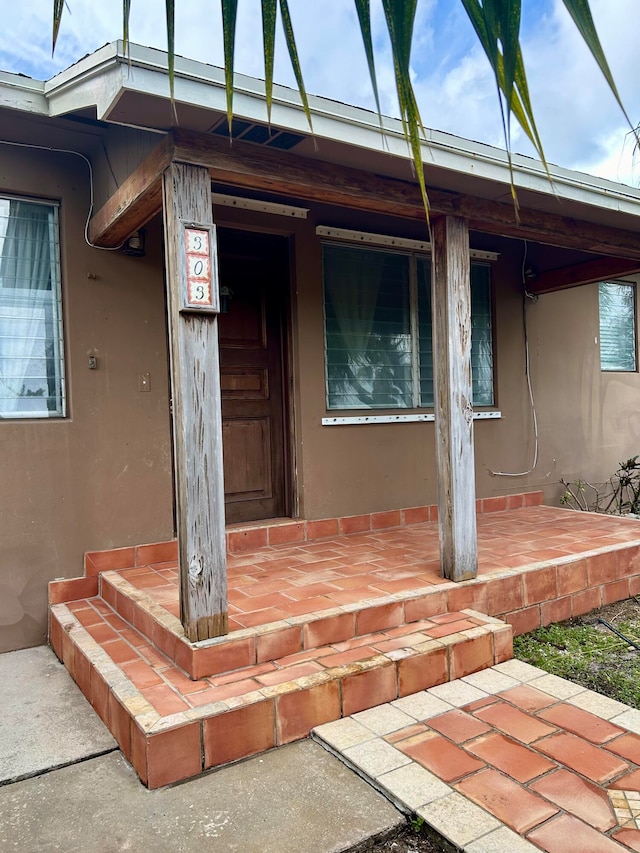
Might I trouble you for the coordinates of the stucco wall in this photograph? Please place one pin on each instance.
(589, 419)
(102, 476)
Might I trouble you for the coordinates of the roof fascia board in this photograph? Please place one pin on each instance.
(100, 89)
(22, 93)
(91, 64)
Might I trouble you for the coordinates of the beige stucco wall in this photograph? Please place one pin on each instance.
(589, 419)
(102, 476)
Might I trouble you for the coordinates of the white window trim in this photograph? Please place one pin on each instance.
(492, 415)
(48, 417)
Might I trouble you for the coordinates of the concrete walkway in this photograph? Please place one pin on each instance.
(46, 721)
(78, 793)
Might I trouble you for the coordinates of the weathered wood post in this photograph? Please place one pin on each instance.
(451, 301)
(192, 300)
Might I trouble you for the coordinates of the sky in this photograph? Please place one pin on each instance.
(579, 121)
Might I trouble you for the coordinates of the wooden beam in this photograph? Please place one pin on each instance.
(135, 202)
(197, 417)
(599, 269)
(451, 301)
(283, 173)
(280, 173)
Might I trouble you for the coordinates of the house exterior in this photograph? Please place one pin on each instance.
(325, 401)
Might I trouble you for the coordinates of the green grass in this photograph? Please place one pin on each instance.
(590, 655)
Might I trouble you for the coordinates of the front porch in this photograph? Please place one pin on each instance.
(323, 623)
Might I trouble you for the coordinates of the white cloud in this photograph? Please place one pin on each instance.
(578, 118)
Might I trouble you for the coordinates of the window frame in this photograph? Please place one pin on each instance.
(633, 288)
(56, 319)
(413, 257)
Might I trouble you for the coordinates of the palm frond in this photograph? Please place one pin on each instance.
(581, 15)
(497, 26)
(126, 12)
(229, 20)
(269, 15)
(363, 8)
(293, 56)
(400, 18)
(58, 9)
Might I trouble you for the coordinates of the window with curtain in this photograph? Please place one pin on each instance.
(378, 329)
(31, 351)
(617, 326)
(481, 334)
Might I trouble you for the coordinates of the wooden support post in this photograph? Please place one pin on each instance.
(197, 416)
(451, 301)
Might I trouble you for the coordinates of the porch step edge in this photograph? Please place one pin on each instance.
(167, 747)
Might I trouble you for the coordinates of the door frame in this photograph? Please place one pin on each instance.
(291, 495)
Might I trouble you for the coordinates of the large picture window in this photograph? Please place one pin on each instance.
(617, 326)
(31, 351)
(378, 329)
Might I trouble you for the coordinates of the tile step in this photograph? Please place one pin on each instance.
(171, 727)
(255, 645)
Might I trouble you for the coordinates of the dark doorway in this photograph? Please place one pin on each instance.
(254, 275)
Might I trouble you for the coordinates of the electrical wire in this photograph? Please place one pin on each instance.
(91, 196)
(527, 363)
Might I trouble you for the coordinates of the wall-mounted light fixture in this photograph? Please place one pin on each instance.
(226, 295)
(134, 245)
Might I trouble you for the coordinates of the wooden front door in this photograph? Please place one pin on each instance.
(254, 268)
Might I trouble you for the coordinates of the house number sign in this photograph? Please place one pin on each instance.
(200, 274)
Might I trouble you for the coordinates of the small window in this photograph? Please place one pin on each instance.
(378, 329)
(31, 351)
(617, 326)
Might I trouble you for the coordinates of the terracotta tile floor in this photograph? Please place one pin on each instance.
(508, 758)
(324, 629)
(280, 581)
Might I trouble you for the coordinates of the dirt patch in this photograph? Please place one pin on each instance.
(411, 839)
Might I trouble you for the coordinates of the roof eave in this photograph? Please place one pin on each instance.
(18, 92)
(102, 78)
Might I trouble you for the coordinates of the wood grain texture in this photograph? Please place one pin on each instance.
(135, 202)
(251, 167)
(599, 269)
(256, 168)
(451, 300)
(197, 419)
